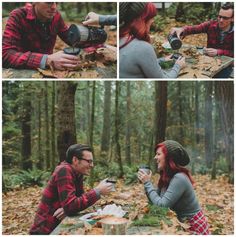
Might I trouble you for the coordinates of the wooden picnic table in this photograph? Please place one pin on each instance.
(199, 65)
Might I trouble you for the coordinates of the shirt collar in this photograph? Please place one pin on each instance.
(74, 171)
(231, 29)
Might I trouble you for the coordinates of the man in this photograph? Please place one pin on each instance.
(30, 36)
(64, 194)
(220, 33)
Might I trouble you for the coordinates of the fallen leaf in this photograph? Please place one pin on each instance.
(100, 64)
(7, 73)
(89, 74)
(46, 73)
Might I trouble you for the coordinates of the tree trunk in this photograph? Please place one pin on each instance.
(117, 119)
(197, 122)
(128, 125)
(181, 132)
(40, 154)
(26, 128)
(66, 117)
(105, 143)
(151, 151)
(208, 124)
(92, 115)
(225, 97)
(163, 9)
(179, 11)
(47, 139)
(88, 109)
(160, 111)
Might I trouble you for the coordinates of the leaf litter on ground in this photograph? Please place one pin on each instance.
(19, 207)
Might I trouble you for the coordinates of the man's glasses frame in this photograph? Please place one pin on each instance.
(89, 161)
(224, 17)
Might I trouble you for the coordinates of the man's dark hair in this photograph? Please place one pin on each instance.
(227, 6)
(76, 150)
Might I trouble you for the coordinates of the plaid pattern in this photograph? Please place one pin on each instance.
(26, 40)
(64, 189)
(225, 46)
(199, 225)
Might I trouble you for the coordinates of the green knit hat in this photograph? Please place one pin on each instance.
(130, 10)
(177, 152)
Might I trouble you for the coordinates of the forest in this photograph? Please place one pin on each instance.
(122, 121)
(71, 11)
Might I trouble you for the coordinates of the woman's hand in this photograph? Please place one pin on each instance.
(168, 58)
(59, 214)
(144, 177)
(92, 19)
(181, 62)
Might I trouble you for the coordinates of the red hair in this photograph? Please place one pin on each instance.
(170, 169)
(138, 26)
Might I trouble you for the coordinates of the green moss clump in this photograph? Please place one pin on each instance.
(167, 64)
(154, 217)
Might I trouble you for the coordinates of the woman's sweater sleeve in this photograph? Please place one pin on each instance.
(149, 64)
(171, 196)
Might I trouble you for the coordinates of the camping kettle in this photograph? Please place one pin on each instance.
(174, 41)
(82, 36)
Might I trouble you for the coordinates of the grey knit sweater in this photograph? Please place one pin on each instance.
(108, 20)
(138, 60)
(179, 196)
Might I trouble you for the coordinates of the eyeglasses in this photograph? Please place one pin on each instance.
(224, 17)
(89, 161)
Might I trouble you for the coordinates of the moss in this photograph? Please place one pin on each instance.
(154, 217)
(167, 64)
(212, 207)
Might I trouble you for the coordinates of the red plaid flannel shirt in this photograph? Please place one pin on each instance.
(64, 189)
(25, 41)
(226, 47)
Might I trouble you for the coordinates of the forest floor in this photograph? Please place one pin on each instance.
(216, 198)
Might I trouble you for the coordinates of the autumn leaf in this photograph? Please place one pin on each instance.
(7, 73)
(89, 74)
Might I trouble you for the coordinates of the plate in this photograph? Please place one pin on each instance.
(87, 216)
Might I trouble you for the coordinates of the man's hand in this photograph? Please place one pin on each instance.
(62, 61)
(210, 52)
(178, 31)
(143, 176)
(92, 19)
(104, 187)
(59, 214)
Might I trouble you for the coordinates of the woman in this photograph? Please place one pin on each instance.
(137, 56)
(175, 186)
